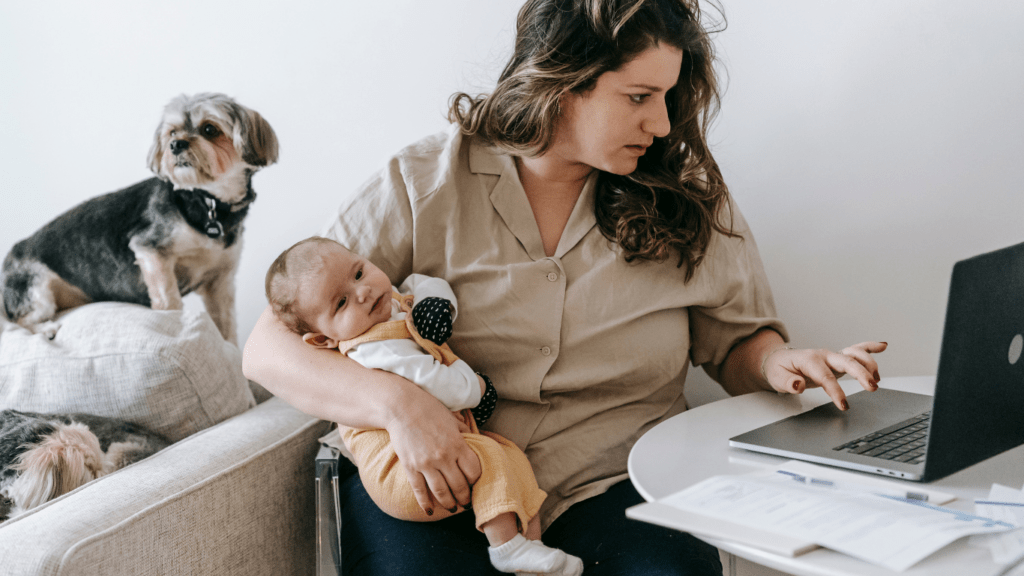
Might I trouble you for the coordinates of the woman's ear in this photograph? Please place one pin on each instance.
(319, 340)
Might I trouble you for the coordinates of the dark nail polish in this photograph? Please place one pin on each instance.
(430, 512)
(796, 386)
(846, 405)
(453, 509)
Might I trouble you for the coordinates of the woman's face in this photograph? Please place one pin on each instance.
(611, 126)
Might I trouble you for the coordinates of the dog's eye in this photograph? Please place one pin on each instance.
(210, 131)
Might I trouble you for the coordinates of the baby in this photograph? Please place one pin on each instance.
(337, 299)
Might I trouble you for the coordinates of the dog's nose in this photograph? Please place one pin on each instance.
(179, 146)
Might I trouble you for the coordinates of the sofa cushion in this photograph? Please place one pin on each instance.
(170, 371)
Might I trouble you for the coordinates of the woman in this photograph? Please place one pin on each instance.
(580, 218)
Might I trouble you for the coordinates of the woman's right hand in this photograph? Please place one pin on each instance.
(439, 464)
(323, 383)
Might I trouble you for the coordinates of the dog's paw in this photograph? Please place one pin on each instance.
(48, 329)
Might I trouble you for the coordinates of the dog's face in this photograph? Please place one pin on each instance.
(205, 141)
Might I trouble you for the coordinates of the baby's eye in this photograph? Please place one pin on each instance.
(638, 98)
(342, 302)
(359, 274)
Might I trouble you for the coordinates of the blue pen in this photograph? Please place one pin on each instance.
(861, 488)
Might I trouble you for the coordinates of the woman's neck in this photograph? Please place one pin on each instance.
(552, 187)
(552, 170)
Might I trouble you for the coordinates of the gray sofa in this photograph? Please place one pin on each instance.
(234, 494)
(236, 498)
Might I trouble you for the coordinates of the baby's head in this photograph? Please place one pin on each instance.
(320, 290)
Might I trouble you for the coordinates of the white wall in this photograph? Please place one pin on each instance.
(870, 144)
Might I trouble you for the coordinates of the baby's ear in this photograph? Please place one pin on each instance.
(319, 340)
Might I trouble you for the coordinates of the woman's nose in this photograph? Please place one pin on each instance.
(657, 122)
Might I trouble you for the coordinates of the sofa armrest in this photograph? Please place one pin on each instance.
(236, 498)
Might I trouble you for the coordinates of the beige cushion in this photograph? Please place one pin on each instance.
(170, 371)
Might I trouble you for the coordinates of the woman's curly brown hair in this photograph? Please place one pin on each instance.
(672, 202)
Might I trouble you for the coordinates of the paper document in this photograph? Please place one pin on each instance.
(1006, 504)
(884, 529)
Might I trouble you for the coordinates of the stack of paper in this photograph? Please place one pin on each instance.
(877, 521)
(1005, 504)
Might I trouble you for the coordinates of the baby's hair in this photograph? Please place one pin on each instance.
(284, 277)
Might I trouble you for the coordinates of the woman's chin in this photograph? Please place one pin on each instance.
(621, 168)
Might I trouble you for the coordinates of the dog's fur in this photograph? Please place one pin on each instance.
(155, 241)
(43, 456)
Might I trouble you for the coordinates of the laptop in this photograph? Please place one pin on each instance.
(978, 408)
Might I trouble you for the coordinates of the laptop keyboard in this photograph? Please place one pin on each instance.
(902, 442)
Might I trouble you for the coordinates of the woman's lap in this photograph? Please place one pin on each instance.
(596, 530)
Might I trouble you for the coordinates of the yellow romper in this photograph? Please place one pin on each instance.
(506, 484)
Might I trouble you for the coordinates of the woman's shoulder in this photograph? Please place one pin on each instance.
(440, 159)
(425, 165)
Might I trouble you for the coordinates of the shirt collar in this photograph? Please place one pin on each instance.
(509, 199)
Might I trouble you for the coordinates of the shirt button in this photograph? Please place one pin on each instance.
(552, 276)
(545, 351)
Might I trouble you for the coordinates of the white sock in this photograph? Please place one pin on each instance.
(522, 555)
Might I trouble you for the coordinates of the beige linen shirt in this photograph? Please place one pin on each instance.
(586, 351)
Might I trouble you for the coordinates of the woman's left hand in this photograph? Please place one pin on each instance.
(791, 371)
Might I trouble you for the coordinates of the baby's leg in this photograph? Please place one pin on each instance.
(504, 498)
(533, 528)
(519, 554)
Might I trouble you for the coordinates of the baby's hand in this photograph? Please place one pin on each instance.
(433, 319)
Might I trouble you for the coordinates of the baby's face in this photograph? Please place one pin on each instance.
(346, 297)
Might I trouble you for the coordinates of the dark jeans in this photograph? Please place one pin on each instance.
(596, 530)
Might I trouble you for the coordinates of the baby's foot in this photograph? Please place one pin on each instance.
(522, 555)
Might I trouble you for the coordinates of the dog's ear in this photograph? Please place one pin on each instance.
(156, 153)
(254, 139)
(61, 462)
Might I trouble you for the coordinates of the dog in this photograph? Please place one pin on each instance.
(43, 456)
(160, 239)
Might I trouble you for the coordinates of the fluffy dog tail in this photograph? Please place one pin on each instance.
(61, 462)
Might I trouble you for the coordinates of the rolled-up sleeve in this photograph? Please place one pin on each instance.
(742, 303)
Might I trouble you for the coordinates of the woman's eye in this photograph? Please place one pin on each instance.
(210, 131)
(359, 274)
(638, 98)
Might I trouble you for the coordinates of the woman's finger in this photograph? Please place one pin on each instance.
(440, 490)
(469, 464)
(852, 366)
(456, 481)
(863, 352)
(864, 359)
(421, 492)
(821, 375)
